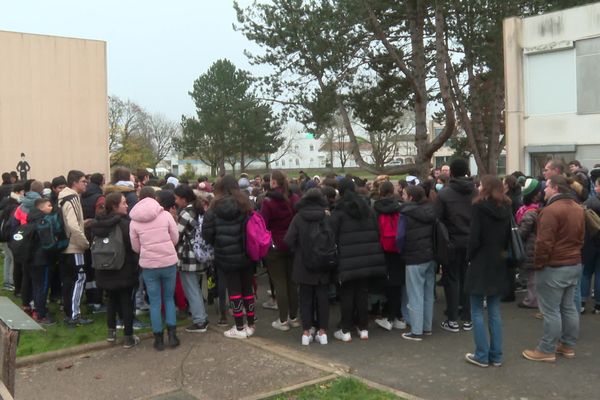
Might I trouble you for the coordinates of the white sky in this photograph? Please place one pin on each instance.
(156, 49)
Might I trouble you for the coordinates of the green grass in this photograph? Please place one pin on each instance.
(341, 388)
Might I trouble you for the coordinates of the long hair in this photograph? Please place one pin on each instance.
(281, 179)
(492, 190)
(228, 186)
(112, 201)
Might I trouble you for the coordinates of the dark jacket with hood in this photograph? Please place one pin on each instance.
(224, 228)
(89, 200)
(39, 256)
(488, 249)
(5, 190)
(418, 245)
(357, 233)
(311, 209)
(453, 208)
(127, 276)
(278, 213)
(128, 191)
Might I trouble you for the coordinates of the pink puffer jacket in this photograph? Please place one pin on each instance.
(154, 234)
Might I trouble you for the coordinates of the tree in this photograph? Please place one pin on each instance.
(336, 142)
(161, 133)
(126, 120)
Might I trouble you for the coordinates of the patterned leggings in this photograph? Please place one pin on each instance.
(239, 286)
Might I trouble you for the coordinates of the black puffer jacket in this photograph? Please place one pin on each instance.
(487, 251)
(357, 233)
(418, 245)
(311, 209)
(453, 208)
(39, 256)
(126, 277)
(386, 205)
(223, 227)
(89, 198)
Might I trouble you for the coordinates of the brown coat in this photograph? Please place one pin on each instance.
(560, 233)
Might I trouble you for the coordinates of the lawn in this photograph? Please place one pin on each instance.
(341, 388)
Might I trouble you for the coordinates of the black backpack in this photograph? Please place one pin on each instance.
(108, 253)
(7, 223)
(319, 249)
(443, 249)
(22, 242)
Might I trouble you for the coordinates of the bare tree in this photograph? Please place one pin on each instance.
(126, 120)
(160, 133)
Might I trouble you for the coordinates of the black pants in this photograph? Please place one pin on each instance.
(394, 302)
(39, 280)
(72, 277)
(17, 276)
(241, 295)
(222, 291)
(120, 301)
(454, 280)
(314, 298)
(26, 285)
(54, 285)
(354, 298)
(93, 295)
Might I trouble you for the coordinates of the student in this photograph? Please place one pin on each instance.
(223, 228)
(312, 211)
(486, 276)
(360, 257)
(417, 253)
(8, 207)
(189, 268)
(124, 182)
(154, 235)
(119, 284)
(72, 273)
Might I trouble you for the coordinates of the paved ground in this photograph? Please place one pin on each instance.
(435, 368)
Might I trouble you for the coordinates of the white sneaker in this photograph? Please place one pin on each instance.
(306, 340)
(344, 337)
(250, 330)
(270, 304)
(399, 324)
(364, 335)
(322, 338)
(312, 330)
(295, 323)
(282, 326)
(384, 323)
(233, 333)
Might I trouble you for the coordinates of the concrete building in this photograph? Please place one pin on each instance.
(53, 104)
(552, 88)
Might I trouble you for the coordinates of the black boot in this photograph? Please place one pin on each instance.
(172, 340)
(159, 343)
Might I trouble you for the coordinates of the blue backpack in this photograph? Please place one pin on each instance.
(51, 233)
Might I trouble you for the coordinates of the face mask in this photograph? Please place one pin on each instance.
(439, 186)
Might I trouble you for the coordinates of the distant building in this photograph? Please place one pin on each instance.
(552, 88)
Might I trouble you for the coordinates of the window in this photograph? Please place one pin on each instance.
(277, 163)
(588, 82)
(297, 162)
(550, 83)
(312, 148)
(283, 163)
(408, 160)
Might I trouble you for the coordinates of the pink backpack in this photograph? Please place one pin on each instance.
(258, 238)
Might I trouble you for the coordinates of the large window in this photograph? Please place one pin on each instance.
(588, 79)
(550, 83)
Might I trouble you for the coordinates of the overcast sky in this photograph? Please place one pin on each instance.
(156, 49)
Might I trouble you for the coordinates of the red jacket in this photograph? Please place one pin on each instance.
(21, 215)
(278, 212)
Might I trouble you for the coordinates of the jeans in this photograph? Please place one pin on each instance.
(591, 266)
(420, 282)
(155, 280)
(39, 281)
(8, 265)
(454, 280)
(556, 298)
(193, 293)
(487, 351)
(140, 300)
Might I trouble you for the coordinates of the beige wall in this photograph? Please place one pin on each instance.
(53, 104)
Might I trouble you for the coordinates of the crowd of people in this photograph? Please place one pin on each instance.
(139, 243)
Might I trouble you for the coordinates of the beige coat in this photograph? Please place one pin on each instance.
(73, 220)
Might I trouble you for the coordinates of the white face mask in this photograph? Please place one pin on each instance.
(439, 186)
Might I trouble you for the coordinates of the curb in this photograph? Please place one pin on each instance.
(292, 388)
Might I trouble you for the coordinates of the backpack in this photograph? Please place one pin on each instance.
(319, 248)
(203, 251)
(258, 237)
(401, 233)
(388, 228)
(108, 253)
(22, 242)
(592, 224)
(6, 224)
(52, 234)
(443, 249)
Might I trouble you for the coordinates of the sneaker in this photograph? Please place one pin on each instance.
(497, 364)
(270, 304)
(344, 337)
(97, 308)
(565, 351)
(234, 333)
(384, 323)
(222, 322)
(582, 307)
(119, 324)
(427, 333)
(139, 312)
(79, 321)
(467, 325)
(470, 358)
(130, 341)
(399, 324)
(450, 326)
(363, 334)
(295, 323)
(282, 326)
(9, 287)
(312, 331)
(250, 330)
(306, 340)
(536, 355)
(137, 325)
(111, 337)
(45, 321)
(197, 328)
(321, 338)
(412, 336)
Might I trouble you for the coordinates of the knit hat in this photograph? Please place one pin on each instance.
(174, 181)
(412, 180)
(531, 184)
